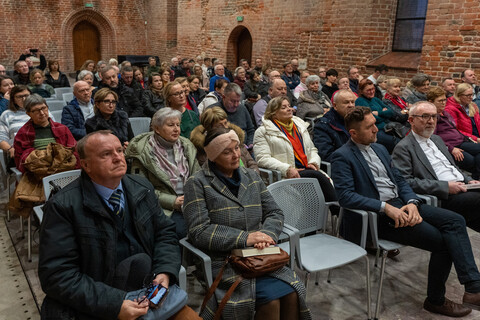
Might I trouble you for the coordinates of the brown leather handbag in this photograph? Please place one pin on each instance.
(247, 267)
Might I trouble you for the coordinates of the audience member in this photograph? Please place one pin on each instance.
(88, 77)
(464, 111)
(98, 74)
(108, 117)
(197, 93)
(330, 86)
(54, 76)
(353, 78)
(213, 196)
(213, 96)
(153, 96)
(259, 65)
(128, 80)
(152, 66)
(302, 86)
(191, 103)
(88, 65)
(312, 103)
(393, 99)
(6, 85)
(36, 53)
(79, 109)
(3, 71)
(449, 86)
(365, 179)
(322, 73)
(183, 69)
(176, 98)
(22, 75)
(202, 77)
(165, 74)
(277, 89)
(167, 160)
(381, 69)
(37, 77)
(240, 75)
(219, 74)
(139, 77)
(246, 66)
(250, 90)
(291, 79)
(421, 85)
(295, 65)
(468, 76)
(381, 87)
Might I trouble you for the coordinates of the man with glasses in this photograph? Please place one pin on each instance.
(468, 76)
(424, 161)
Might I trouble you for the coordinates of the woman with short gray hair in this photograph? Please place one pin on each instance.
(421, 86)
(166, 159)
(312, 103)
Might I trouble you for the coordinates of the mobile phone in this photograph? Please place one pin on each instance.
(157, 294)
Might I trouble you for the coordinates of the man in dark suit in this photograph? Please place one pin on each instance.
(365, 178)
(424, 161)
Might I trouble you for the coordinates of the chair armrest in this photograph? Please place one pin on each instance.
(206, 260)
(18, 174)
(267, 174)
(38, 210)
(429, 199)
(327, 167)
(365, 219)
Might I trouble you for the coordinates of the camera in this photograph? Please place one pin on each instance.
(33, 51)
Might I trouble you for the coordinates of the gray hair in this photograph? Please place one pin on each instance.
(32, 101)
(83, 73)
(342, 93)
(99, 64)
(163, 115)
(419, 79)
(311, 79)
(237, 70)
(414, 107)
(218, 66)
(232, 87)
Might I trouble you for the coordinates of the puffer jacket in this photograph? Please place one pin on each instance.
(461, 118)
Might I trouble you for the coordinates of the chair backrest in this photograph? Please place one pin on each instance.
(57, 115)
(302, 203)
(61, 179)
(67, 97)
(140, 125)
(55, 105)
(3, 161)
(60, 91)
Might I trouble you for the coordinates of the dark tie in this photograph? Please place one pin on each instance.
(115, 202)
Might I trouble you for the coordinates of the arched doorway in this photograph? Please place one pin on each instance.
(86, 43)
(239, 46)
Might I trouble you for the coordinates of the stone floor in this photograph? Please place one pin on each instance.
(343, 298)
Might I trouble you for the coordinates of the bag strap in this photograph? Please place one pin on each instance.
(214, 286)
(218, 313)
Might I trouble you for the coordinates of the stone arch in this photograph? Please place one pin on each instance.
(100, 21)
(239, 46)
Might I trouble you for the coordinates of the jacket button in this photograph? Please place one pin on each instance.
(240, 209)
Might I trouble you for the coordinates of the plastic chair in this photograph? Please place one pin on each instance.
(18, 176)
(305, 209)
(57, 115)
(60, 91)
(140, 125)
(55, 105)
(270, 176)
(67, 97)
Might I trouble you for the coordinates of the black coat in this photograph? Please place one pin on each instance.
(329, 134)
(61, 82)
(153, 103)
(118, 123)
(78, 248)
(127, 99)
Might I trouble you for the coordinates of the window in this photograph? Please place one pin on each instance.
(409, 25)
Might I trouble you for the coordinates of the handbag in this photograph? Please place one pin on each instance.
(247, 267)
(396, 129)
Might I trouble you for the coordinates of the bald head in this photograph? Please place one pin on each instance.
(343, 102)
(278, 88)
(274, 74)
(82, 91)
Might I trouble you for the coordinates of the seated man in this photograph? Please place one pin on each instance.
(365, 179)
(277, 89)
(101, 235)
(22, 75)
(329, 132)
(78, 110)
(424, 161)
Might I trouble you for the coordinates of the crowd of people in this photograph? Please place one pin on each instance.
(195, 174)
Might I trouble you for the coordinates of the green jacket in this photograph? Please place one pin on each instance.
(143, 163)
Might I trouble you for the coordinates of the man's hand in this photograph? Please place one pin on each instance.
(131, 310)
(457, 153)
(398, 215)
(414, 217)
(162, 279)
(455, 187)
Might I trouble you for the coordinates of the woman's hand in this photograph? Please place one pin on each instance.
(312, 166)
(7, 95)
(259, 240)
(457, 154)
(178, 203)
(375, 113)
(11, 152)
(292, 173)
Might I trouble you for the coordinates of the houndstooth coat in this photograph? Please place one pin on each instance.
(219, 222)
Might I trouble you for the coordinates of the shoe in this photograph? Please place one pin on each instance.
(449, 308)
(393, 253)
(472, 300)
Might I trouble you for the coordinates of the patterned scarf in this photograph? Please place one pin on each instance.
(399, 102)
(295, 138)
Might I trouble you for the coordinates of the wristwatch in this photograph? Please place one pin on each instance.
(416, 202)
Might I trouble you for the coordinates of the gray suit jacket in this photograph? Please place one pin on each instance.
(413, 164)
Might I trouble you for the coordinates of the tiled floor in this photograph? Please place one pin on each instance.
(343, 298)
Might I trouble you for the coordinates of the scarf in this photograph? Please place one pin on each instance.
(399, 102)
(295, 138)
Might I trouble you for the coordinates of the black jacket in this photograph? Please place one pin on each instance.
(127, 99)
(153, 103)
(329, 134)
(78, 248)
(61, 82)
(118, 123)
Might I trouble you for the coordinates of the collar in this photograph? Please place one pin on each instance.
(362, 147)
(419, 138)
(104, 192)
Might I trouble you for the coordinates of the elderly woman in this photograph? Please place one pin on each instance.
(88, 77)
(228, 207)
(167, 160)
(240, 77)
(382, 113)
(381, 86)
(312, 102)
(394, 101)
(331, 83)
(465, 152)
(107, 117)
(55, 77)
(196, 92)
(421, 85)
(464, 111)
(283, 143)
(176, 98)
(153, 96)
(216, 117)
(6, 85)
(39, 131)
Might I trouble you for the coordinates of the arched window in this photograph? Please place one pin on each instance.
(409, 25)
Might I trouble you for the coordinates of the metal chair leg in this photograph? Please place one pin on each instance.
(369, 294)
(29, 237)
(22, 231)
(317, 277)
(380, 285)
(377, 255)
(8, 196)
(307, 276)
(329, 279)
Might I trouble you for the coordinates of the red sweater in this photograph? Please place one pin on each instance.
(461, 118)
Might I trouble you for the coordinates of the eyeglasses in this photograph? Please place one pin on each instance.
(426, 116)
(3, 72)
(21, 96)
(37, 111)
(106, 101)
(178, 94)
(467, 95)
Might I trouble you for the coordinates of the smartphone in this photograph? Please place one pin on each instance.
(157, 294)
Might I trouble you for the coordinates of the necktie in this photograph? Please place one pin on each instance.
(115, 202)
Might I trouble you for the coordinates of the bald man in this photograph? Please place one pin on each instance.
(78, 110)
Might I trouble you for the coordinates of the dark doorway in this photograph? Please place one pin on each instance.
(86, 43)
(239, 47)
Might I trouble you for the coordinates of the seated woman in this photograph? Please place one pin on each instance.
(55, 77)
(216, 117)
(240, 77)
(464, 111)
(381, 86)
(228, 207)
(312, 102)
(421, 86)
(191, 104)
(382, 113)
(39, 131)
(6, 85)
(107, 117)
(139, 77)
(202, 77)
(87, 65)
(465, 152)
(88, 77)
(331, 84)
(394, 101)
(283, 143)
(175, 98)
(197, 93)
(165, 74)
(153, 96)
(167, 160)
(37, 77)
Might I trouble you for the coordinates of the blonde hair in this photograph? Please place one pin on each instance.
(166, 91)
(34, 72)
(273, 106)
(101, 95)
(461, 88)
(392, 82)
(211, 116)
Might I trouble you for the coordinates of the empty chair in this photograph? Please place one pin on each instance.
(305, 209)
(67, 97)
(60, 91)
(140, 125)
(57, 115)
(55, 105)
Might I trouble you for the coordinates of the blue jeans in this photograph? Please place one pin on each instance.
(443, 233)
